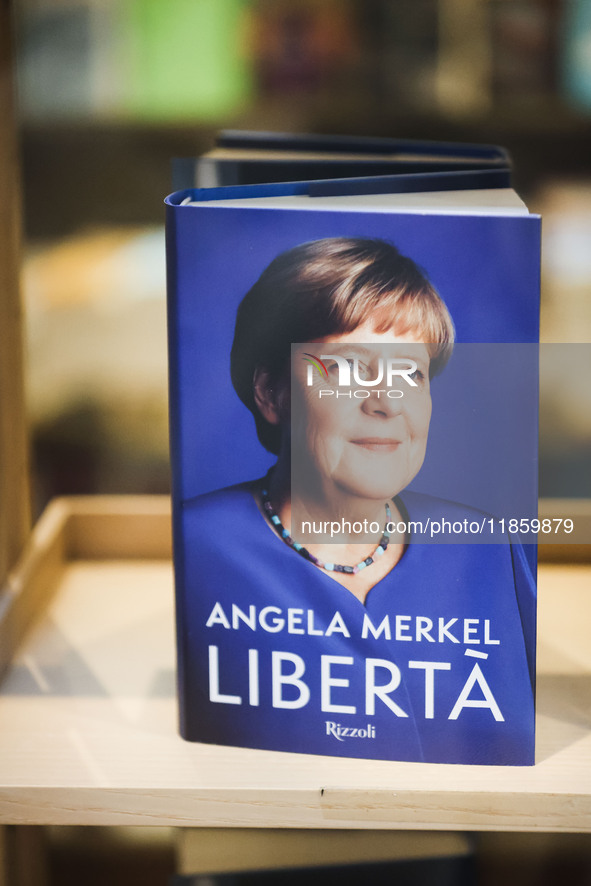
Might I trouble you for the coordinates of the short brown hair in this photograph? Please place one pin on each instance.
(328, 287)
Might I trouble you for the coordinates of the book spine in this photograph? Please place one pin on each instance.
(172, 265)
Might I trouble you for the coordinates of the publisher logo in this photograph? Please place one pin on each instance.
(343, 732)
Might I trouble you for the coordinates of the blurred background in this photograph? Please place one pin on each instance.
(111, 90)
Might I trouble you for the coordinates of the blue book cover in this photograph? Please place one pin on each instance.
(353, 397)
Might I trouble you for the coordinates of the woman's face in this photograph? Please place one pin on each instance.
(359, 439)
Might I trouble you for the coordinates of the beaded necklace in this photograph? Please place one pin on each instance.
(304, 552)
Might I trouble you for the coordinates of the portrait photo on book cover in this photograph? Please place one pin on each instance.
(356, 592)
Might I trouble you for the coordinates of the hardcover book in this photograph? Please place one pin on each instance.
(353, 397)
(243, 157)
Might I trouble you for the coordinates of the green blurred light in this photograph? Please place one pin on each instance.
(187, 58)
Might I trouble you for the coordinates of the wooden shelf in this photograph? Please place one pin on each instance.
(88, 712)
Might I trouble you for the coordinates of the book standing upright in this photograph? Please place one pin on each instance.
(424, 648)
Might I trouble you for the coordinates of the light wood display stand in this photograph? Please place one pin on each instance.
(88, 719)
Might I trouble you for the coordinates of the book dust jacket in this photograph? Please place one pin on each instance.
(354, 440)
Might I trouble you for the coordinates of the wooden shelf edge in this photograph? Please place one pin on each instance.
(334, 810)
(30, 585)
(115, 527)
